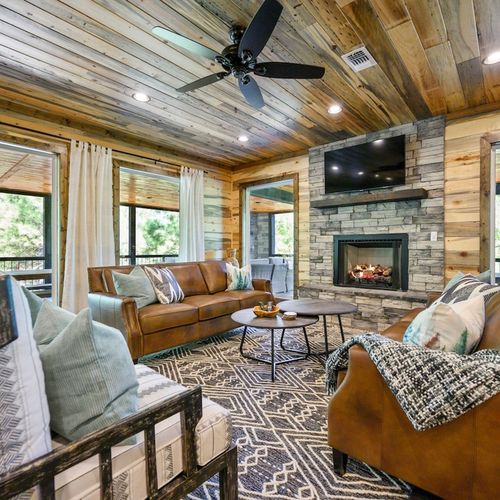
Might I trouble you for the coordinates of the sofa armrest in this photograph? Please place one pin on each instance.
(262, 285)
(120, 312)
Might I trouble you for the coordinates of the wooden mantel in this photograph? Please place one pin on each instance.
(361, 199)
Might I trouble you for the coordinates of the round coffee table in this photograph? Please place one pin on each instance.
(247, 318)
(319, 307)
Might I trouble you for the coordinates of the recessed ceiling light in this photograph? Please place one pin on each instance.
(360, 173)
(377, 175)
(388, 178)
(243, 138)
(334, 109)
(492, 58)
(378, 141)
(141, 96)
(334, 167)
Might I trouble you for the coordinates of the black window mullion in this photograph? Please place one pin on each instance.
(47, 233)
(132, 235)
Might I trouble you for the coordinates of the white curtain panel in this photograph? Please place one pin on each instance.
(191, 216)
(90, 240)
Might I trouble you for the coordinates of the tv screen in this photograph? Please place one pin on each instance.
(376, 164)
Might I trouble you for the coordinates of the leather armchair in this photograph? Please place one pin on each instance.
(455, 460)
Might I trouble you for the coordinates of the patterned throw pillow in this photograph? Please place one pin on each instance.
(455, 327)
(24, 413)
(165, 285)
(467, 288)
(136, 285)
(238, 279)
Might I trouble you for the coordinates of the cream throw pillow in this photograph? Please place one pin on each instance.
(238, 279)
(453, 327)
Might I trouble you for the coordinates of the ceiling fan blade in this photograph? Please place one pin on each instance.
(251, 91)
(288, 70)
(202, 82)
(259, 30)
(185, 43)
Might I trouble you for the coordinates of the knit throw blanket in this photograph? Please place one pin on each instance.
(432, 387)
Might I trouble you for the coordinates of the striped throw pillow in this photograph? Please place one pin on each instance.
(166, 286)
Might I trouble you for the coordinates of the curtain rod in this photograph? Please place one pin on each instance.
(68, 141)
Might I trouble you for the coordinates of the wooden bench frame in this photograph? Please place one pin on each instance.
(188, 403)
(42, 471)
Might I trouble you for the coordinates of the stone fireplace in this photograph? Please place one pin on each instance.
(360, 234)
(371, 261)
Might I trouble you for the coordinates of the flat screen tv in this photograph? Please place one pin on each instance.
(372, 165)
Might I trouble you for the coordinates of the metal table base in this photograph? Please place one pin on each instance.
(273, 361)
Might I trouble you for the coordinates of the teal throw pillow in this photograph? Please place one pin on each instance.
(50, 321)
(136, 285)
(34, 302)
(238, 279)
(90, 378)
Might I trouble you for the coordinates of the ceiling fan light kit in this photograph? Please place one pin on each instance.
(240, 58)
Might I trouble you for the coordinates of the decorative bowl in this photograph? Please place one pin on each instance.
(266, 314)
(290, 316)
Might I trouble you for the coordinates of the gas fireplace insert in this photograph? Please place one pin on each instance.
(371, 261)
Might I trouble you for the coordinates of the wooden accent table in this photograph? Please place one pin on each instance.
(247, 318)
(319, 307)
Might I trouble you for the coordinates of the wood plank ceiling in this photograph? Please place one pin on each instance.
(81, 61)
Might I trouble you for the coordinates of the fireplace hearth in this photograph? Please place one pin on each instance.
(371, 261)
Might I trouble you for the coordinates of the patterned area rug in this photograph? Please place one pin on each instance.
(280, 427)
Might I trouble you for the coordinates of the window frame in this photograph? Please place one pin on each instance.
(132, 236)
(46, 230)
(272, 234)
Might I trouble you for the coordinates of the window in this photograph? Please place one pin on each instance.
(281, 233)
(149, 217)
(26, 240)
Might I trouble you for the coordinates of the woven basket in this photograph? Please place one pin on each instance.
(266, 314)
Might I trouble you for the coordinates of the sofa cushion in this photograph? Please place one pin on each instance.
(247, 298)
(190, 279)
(213, 437)
(213, 306)
(156, 317)
(214, 273)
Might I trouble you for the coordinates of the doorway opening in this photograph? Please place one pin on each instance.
(29, 218)
(496, 211)
(269, 233)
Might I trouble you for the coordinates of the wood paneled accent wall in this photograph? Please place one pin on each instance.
(297, 165)
(467, 142)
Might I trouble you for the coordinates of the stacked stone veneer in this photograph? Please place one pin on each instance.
(259, 235)
(418, 218)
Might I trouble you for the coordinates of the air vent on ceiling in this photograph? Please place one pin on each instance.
(359, 59)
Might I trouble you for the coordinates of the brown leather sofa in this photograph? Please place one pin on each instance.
(456, 460)
(205, 311)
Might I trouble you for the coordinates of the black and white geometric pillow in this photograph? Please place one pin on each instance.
(467, 288)
(166, 286)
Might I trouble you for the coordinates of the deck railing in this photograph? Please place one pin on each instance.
(126, 260)
(20, 268)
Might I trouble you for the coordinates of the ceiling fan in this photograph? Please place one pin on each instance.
(240, 58)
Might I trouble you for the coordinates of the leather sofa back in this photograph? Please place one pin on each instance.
(214, 273)
(188, 274)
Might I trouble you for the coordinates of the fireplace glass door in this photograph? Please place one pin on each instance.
(372, 261)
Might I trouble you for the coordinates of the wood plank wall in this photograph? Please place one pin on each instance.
(295, 165)
(463, 194)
